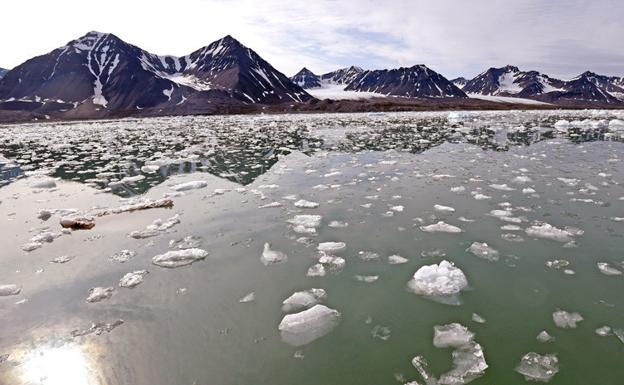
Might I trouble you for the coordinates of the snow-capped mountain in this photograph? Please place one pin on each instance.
(306, 79)
(460, 82)
(104, 72)
(3, 72)
(342, 76)
(510, 81)
(414, 82)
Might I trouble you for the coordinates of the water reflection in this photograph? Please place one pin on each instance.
(128, 157)
(62, 365)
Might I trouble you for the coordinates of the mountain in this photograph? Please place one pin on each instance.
(460, 82)
(342, 76)
(510, 81)
(100, 72)
(3, 72)
(414, 82)
(306, 79)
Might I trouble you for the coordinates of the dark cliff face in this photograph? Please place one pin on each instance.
(414, 82)
(306, 79)
(342, 76)
(102, 72)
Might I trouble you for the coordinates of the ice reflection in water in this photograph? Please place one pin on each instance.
(66, 364)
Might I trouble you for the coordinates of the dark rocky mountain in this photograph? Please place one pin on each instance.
(306, 79)
(510, 81)
(3, 72)
(342, 76)
(100, 72)
(460, 82)
(413, 82)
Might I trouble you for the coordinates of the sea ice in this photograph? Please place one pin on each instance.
(10, 289)
(331, 247)
(603, 331)
(302, 203)
(98, 294)
(482, 250)
(317, 270)
(43, 182)
(443, 279)
(250, 297)
(543, 336)
(306, 326)
(565, 320)
(122, 256)
(451, 335)
(133, 279)
(441, 227)
(303, 300)
(177, 258)
(445, 209)
(548, 231)
(536, 367)
(270, 257)
(192, 185)
(305, 224)
(397, 259)
(607, 269)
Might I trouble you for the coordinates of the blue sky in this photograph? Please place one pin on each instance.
(454, 37)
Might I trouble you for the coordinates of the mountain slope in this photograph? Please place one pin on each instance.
(306, 79)
(414, 82)
(342, 76)
(3, 72)
(102, 72)
(460, 82)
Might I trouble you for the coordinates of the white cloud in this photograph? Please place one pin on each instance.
(561, 37)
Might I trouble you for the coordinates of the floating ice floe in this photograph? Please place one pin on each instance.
(133, 279)
(177, 258)
(78, 222)
(381, 332)
(306, 326)
(458, 189)
(477, 318)
(366, 278)
(271, 257)
(303, 300)
(548, 231)
(468, 358)
(607, 269)
(250, 297)
(536, 367)
(97, 328)
(543, 336)
(397, 260)
(305, 224)
(441, 227)
(62, 259)
(566, 320)
(192, 185)
(603, 331)
(337, 224)
(304, 204)
(445, 209)
(443, 281)
(98, 294)
(483, 251)
(270, 205)
(368, 255)
(10, 289)
(317, 270)
(136, 206)
(122, 256)
(331, 247)
(188, 242)
(156, 228)
(502, 187)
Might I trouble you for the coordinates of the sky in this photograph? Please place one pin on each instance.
(453, 37)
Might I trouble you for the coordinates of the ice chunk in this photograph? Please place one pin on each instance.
(331, 247)
(270, 205)
(565, 320)
(337, 224)
(98, 294)
(468, 364)
(441, 227)
(548, 231)
(368, 255)
(270, 257)
(250, 297)
(10, 289)
(303, 300)
(78, 222)
(607, 269)
(302, 203)
(177, 258)
(122, 256)
(305, 224)
(536, 367)
(543, 336)
(317, 270)
(97, 328)
(603, 331)
(477, 318)
(304, 327)
(133, 279)
(397, 259)
(502, 187)
(443, 279)
(482, 250)
(366, 278)
(192, 185)
(452, 335)
(445, 209)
